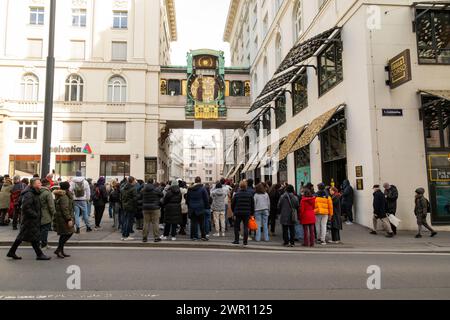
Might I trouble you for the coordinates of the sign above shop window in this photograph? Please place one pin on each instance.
(399, 69)
(72, 149)
(392, 112)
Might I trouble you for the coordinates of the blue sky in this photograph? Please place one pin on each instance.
(200, 25)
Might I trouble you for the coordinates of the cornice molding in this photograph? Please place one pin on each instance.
(170, 7)
(232, 12)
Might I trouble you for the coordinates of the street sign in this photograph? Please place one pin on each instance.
(392, 112)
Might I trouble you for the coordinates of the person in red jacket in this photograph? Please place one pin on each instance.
(307, 218)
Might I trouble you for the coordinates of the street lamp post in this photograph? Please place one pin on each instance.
(49, 82)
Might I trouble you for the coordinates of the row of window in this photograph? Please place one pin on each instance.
(74, 88)
(78, 49)
(176, 87)
(72, 131)
(120, 18)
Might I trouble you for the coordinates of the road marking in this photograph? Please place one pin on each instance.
(248, 250)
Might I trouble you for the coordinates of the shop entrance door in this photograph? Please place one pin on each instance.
(334, 172)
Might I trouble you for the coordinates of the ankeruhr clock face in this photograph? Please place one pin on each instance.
(206, 89)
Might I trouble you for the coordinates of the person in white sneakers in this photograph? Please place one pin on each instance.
(219, 196)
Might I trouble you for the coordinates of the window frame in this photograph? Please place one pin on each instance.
(117, 81)
(40, 11)
(279, 102)
(338, 74)
(118, 14)
(74, 81)
(125, 43)
(431, 20)
(34, 85)
(23, 126)
(78, 13)
(109, 139)
(72, 139)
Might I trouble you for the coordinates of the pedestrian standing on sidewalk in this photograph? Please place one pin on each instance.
(286, 205)
(30, 228)
(347, 201)
(262, 208)
(64, 217)
(82, 195)
(336, 219)
(208, 214)
(99, 199)
(274, 195)
(391, 194)
(139, 214)
(421, 210)
(114, 203)
(308, 218)
(379, 212)
(47, 212)
(198, 201)
(324, 212)
(219, 196)
(151, 208)
(184, 207)
(90, 201)
(172, 211)
(5, 201)
(129, 204)
(243, 206)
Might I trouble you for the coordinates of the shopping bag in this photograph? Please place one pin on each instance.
(394, 220)
(252, 225)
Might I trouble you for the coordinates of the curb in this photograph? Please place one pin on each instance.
(200, 246)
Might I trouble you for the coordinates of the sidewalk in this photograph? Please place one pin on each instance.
(355, 238)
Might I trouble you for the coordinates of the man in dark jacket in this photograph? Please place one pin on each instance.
(421, 209)
(198, 201)
(391, 194)
(31, 221)
(151, 207)
(47, 212)
(347, 201)
(99, 198)
(129, 205)
(379, 212)
(243, 206)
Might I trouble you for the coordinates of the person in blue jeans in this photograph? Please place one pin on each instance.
(82, 195)
(262, 208)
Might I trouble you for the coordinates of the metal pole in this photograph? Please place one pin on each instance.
(48, 113)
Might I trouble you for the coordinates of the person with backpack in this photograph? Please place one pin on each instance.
(197, 200)
(391, 194)
(379, 212)
(64, 217)
(421, 209)
(99, 199)
(129, 199)
(243, 206)
(82, 195)
(324, 212)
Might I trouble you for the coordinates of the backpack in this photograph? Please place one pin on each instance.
(428, 206)
(96, 195)
(78, 189)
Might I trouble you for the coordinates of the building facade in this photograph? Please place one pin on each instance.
(348, 89)
(108, 57)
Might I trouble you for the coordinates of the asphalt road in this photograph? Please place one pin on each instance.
(130, 273)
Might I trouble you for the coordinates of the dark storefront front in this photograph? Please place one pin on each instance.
(114, 166)
(435, 114)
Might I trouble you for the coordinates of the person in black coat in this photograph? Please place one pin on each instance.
(287, 203)
(197, 200)
(172, 210)
(391, 194)
(99, 199)
(336, 220)
(30, 229)
(347, 201)
(274, 195)
(379, 211)
(243, 206)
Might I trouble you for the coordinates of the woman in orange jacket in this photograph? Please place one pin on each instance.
(324, 211)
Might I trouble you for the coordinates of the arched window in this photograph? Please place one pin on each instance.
(278, 50)
(30, 87)
(117, 90)
(298, 20)
(74, 88)
(265, 71)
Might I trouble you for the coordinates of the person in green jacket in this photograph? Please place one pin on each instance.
(5, 201)
(64, 218)
(47, 212)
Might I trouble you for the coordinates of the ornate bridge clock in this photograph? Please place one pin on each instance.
(205, 85)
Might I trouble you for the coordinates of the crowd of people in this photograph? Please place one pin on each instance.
(41, 205)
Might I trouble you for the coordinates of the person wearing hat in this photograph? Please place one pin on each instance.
(421, 210)
(379, 212)
(64, 218)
